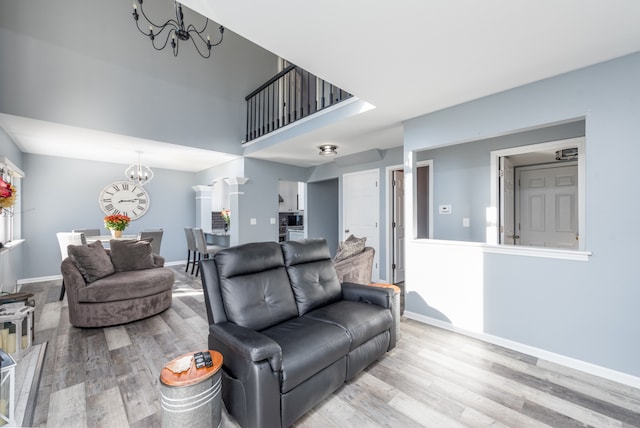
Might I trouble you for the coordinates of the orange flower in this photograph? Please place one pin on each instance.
(116, 222)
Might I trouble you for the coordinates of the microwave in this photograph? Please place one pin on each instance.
(295, 220)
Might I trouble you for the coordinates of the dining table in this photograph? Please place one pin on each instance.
(107, 238)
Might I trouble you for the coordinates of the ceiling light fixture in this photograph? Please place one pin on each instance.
(328, 150)
(176, 31)
(139, 173)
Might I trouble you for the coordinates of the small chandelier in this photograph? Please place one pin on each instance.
(328, 150)
(139, 173)
(176, 31)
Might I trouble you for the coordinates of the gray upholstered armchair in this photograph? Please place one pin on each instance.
(357, 268)
(117, 286)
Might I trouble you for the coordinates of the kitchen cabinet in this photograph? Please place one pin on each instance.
(288, 191)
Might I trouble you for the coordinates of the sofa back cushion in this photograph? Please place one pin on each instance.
(92, 261)
(131, 254)
(311, 272)
(254, 285)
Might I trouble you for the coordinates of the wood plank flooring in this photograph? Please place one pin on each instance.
(109, 377)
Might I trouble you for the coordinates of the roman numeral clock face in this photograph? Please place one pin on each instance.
(124, 197)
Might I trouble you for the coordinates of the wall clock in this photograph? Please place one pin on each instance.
(124, 197)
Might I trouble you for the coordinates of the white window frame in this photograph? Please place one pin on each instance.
(493, 214)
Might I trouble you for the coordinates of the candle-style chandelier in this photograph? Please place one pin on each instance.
(139, 173)
(176, 31)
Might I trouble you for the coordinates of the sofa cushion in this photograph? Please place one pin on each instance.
(308, 346)
(311, 272)
(349, 247)
(92, 261)
(254, 285)
(131, 254)
(360, 320)
(127, 285)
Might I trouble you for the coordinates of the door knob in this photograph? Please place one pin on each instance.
(346, 231)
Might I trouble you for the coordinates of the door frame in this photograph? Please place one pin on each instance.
(414, 214)
(389, 218)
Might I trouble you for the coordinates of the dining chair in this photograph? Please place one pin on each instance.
(191, 248)
(88, 232)
(202, 248)
(155, 242)
(64, 240)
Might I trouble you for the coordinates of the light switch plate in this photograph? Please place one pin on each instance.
(253, 221)
(272, 220)
(466, 222)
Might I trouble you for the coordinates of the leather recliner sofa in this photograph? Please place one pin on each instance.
(289, 332)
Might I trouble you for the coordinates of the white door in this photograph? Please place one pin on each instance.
(398, 226)
(361, 210)
(507, 203)
(548, 206)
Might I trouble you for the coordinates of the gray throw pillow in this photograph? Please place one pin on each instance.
(131, 254)
(92, 261)
(349, 247)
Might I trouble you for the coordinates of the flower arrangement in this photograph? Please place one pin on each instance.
(7, 194)
(116, 222)
(226, 216)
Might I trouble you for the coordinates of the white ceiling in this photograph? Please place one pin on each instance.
(406, 57)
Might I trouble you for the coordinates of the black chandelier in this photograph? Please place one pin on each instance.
(176, 31)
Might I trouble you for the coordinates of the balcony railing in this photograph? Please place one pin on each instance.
(288, 96)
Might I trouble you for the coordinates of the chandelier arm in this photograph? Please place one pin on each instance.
(166, 40)
(205, 41)
(172, 21)
(193, 40)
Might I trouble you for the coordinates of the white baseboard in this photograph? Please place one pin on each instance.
(39, 279)
(583, 366)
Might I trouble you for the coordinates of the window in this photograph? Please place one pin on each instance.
(10, 216)
(538, 195)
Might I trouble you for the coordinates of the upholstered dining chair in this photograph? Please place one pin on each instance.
(88, 232)
(155, 242)
(202, 248)
(191, 249)
(64, 240)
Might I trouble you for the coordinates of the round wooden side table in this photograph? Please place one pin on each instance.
(192, 398)
(396, 303)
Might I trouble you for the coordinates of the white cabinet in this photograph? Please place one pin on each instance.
(220, 196)
(288, 190)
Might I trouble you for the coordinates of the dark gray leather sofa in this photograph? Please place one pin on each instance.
(289, 332)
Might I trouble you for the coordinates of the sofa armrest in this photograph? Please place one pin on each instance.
(158, 260)
(365, 293)
(247, 344)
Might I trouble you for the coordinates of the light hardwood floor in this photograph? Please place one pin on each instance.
(110, 377)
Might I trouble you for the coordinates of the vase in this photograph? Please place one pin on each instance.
(116, 233)
(226, 227)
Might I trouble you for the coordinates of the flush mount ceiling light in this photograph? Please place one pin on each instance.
(176, 31)
(139, 173)
(328, 150)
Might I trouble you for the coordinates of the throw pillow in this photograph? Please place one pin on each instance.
(92, 261)
(131, 254)
(349, 247)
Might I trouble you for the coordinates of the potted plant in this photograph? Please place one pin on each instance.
(226, 216)
(116, 223)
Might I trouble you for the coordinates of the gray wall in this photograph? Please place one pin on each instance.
(584, 310)
(84, 63)
(322, 212)
(462, 173)
(61, 194)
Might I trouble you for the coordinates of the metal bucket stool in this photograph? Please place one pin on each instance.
(396, 303)
(192, 398)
